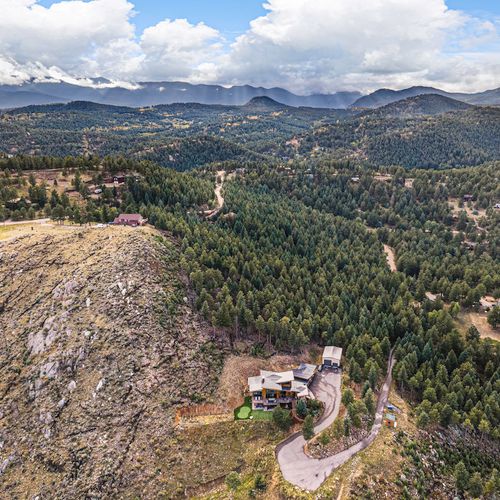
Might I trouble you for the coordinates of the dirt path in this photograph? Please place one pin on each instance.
(391, 257)
(31, 221)
(309, 473)
(221, 174)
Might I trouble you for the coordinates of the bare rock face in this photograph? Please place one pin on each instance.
(97, 348)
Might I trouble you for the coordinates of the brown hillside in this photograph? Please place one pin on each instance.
(98, 347)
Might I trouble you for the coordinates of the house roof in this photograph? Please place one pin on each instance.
(273, 380)
(130, 216)
(390, 416)
(332, 352)
(304, 371)
(255, 383)
(300, 388)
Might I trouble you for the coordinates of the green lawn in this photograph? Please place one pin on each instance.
(245, 412)
(262, 415)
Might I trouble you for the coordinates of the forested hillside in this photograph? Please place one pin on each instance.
(294, 257)
(429, 131)
(452, 139)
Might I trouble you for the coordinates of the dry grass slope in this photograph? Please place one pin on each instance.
(98, 346)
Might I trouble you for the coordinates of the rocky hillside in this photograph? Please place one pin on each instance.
(98, 347)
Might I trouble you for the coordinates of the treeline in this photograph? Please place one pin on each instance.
(452, 139)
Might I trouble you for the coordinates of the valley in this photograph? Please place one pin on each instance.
(154, 259)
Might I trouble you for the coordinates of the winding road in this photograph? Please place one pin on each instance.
(220, 174)
(309, 473)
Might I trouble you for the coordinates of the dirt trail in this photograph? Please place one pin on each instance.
(391, 257)
(220, 177)
(221, 174)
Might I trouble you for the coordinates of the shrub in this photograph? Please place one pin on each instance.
(259, 483)
(324, 439)
(282, 418)
(302, 410)
(308, 427)
(233, 480)
(314, 406)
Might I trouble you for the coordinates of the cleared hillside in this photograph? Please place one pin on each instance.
(99, 347)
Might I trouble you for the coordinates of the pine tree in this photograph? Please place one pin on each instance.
(308, 427)
(475, 486)
(461, 476)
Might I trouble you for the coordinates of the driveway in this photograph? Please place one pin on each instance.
(306, 472)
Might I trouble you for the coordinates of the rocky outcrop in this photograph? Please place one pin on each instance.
(98, 346)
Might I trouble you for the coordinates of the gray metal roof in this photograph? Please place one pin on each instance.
(333, 353)
(304, 371)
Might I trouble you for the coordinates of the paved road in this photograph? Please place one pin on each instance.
(308, 473)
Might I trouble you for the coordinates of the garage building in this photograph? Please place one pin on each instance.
(332, 356)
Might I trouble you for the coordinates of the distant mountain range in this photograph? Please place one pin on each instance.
(155, 93)
(382, 97)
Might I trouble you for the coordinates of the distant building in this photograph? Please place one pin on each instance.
(133, 220)
(497, 206)
(332, 356)
(272, 389)
(390, 420)
(468, 197)
(487, 303)
(119, 179)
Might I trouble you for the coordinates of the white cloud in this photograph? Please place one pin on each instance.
(178, 49)
(63, 33)
(328, 41)
(304, 45)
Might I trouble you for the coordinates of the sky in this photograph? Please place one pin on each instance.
(306, 46)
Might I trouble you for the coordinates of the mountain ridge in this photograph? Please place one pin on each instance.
(382, 97)
(423, 104)
(145, 94)
(156, 93)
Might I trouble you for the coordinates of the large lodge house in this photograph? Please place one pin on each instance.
(270, 389)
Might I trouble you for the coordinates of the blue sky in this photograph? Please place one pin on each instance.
(303, 45)
(232, 17)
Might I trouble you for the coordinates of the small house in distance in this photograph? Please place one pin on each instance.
(332, 356)
(390, 420)
(133, 220)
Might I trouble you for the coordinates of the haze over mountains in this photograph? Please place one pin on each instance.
(154, 93)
